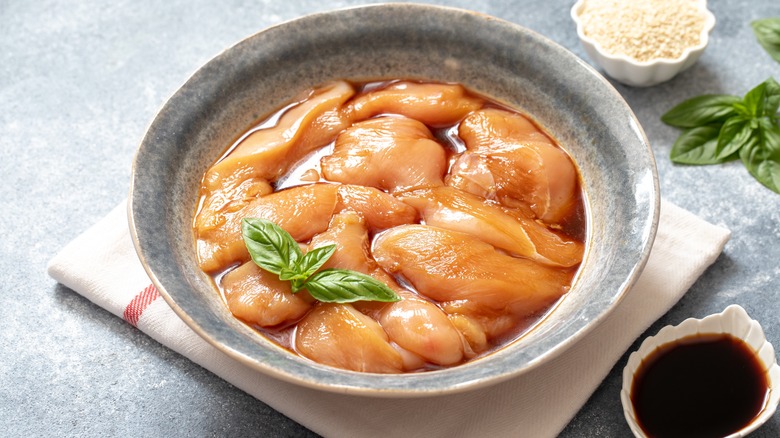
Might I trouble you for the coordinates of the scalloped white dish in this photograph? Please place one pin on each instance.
(642, 74)
(734, 321)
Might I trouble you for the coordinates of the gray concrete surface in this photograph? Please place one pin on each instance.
(79, 83)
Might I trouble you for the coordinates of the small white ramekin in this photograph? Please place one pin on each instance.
(642, 74)
(734, 321)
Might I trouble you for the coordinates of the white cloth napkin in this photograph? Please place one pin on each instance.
(102, 265)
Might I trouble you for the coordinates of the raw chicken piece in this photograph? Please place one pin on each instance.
(492, 322)
(470, 173)
(413, 323)
(449, 266)
(233, 197)
(510, 160)
(379, 209)
(266, 154)
(423, 328)
(348, 232)
(302, 211)
(473, 333)
(433, 104)
(270, 152)
(552, 242)
(259, 297)
(389, 153)
(457, 210)
(340, 336)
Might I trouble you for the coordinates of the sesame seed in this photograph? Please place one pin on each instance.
(645, 29)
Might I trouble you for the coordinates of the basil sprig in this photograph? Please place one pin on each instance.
(274, 250)
(767, 32)
(720, 128)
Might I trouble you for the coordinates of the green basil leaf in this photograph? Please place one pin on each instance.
(295, 278)
(288, 274)
(762, 157)
(772, 98)
(314, 259)
(769, 135)
(701, 110)
(697, 146)
(754, 101)
(271, 247)
(767, 32)
(342, 286)
(734, 134)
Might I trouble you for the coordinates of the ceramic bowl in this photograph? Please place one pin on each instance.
(496, 58)
(642, 74)
(734, 321)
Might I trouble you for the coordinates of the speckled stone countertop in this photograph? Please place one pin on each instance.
(79, 84)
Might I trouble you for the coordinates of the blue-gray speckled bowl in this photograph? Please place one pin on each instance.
(499, 59)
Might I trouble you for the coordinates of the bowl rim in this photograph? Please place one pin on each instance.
(647, 237)
(709, 24)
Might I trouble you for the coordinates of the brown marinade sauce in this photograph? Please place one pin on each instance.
(708, 385)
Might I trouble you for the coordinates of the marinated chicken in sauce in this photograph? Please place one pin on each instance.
(264, 155)
(389, 153)
(510, 160)
(435, 105)
(456, 210)
(463, 207)
(413, 324)
(449, 265)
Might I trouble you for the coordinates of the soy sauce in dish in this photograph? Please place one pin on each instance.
(707, 385)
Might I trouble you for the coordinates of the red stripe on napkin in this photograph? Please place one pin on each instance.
(139, 303)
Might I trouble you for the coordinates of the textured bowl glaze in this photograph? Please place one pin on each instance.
(643, 74)
(502, 60)
(734, 321)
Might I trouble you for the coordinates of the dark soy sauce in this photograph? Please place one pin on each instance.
(701, 386)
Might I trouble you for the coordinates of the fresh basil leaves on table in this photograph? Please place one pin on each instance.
(768, 33)
(720, 128)
(274, 250)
